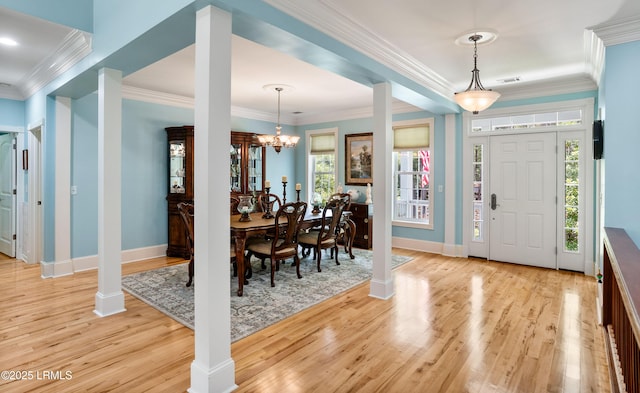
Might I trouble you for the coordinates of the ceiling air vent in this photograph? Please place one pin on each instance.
(510, 80)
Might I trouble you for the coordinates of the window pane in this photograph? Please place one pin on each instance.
(571, 239)
(571, 195)
(533, 120)
(412, 186)
(477, 153)
(478, 207)
(323, 175)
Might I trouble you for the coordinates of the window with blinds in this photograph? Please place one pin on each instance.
(412, 169)
(322, 165)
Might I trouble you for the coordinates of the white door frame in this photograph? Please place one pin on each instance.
(34, 228)
(471, 247)
(13, 181)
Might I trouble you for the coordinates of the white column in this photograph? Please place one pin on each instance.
(62, 260)
(450, 248)
(213, 369)
(109, 298)
(382, 280)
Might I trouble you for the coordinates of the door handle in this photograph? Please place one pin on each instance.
(493, 202)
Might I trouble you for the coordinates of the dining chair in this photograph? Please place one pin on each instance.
(186, 212)
(346, 230)
(268, 203)
(284, 243)
(326, 234)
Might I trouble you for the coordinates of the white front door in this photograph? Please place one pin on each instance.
(7, 196)
(522, 200)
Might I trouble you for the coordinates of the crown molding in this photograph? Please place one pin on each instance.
(155, 97)
(75, 46)
(594, 55)
(619, 31)
(547, 87)
(351, 114)
(323, 16)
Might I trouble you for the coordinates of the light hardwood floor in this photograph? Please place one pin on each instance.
(454, 325)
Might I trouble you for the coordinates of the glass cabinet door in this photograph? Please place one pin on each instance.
(235, 166)
(177, 167)
(255, 168)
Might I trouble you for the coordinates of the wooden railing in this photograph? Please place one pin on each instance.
(620, 309)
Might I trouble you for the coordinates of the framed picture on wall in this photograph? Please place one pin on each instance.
(358, 160)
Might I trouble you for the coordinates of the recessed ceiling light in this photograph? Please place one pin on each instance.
(8, 41)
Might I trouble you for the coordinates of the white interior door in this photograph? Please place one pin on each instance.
(7, 196)
(523, 199)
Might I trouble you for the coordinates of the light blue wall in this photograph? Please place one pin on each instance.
(366, 125)
(144, 170)
(144, 173)
(48, 180)
(12, 113)
(84, 176)
(622, 139)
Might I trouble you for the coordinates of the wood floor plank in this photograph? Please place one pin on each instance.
(454, 325)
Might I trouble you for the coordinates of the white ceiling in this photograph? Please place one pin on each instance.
(537, 42)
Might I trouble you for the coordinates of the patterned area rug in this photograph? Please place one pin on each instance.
(261, 305)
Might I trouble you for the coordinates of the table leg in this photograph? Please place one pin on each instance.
(240, 243)
(350, 235)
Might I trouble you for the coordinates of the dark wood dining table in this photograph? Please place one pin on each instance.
(258, 226)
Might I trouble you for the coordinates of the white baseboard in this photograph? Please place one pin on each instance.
(417, 245)
(63, 268)
(56, 269)
(453, 250)
(450, 250)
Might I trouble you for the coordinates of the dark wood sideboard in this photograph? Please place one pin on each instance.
(364, 224)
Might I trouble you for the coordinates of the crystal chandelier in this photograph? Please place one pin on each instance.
(278, 141)
(476, 98)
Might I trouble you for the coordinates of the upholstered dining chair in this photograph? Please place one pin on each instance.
(326, 235)
(186, 212)
(346, 230)
(284, 243)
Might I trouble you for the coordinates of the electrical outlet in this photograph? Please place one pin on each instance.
(74, 190)
(440, 187)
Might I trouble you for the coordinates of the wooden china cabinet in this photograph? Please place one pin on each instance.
(247, 164)
(247, 168)
(180, 154)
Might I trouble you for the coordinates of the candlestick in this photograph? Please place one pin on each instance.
(284, 190)
(298, 187)
(298, 195)
(268, 209)
(267, 184)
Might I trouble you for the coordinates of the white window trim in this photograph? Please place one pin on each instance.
(432, 177)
